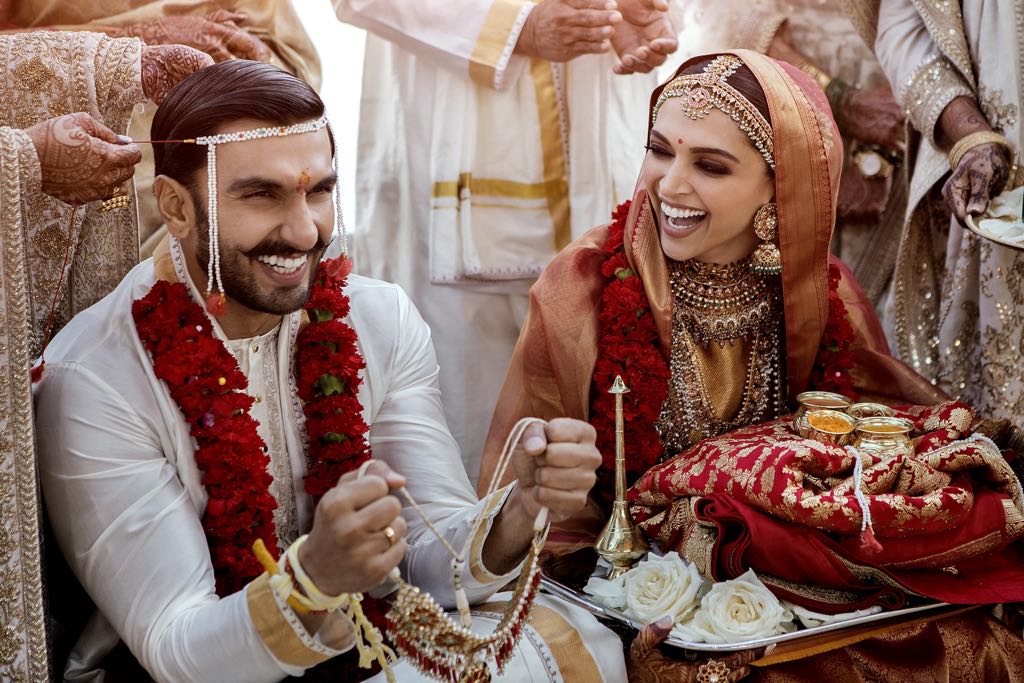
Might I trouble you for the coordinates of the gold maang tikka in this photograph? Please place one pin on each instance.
(710, 89)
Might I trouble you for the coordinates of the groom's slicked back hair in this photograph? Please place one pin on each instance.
(228, 91)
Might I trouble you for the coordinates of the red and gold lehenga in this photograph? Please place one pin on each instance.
(715, 356)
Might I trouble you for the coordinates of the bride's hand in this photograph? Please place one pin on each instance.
(217, 34)
(980, 176)
(555, 466)
(648, 665)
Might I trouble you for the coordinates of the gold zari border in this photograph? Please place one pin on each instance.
(275, 631)
(491, 42)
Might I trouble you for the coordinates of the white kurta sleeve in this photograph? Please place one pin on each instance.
(471, 37)
(410, 434)
(923, 80)
(134, 540)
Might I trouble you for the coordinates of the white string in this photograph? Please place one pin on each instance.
(339, 217)
(503, 461)
(862, 500)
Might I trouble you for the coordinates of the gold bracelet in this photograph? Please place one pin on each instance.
(969, 142)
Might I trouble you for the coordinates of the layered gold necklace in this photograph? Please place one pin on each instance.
(729, 306)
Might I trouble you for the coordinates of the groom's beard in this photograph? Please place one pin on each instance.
(238, 272)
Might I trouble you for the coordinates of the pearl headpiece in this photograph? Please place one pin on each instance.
(701, 92)
(215, 303)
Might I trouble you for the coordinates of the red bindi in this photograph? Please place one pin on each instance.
(679, 141)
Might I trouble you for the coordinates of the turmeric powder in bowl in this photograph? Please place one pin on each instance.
(831, 421)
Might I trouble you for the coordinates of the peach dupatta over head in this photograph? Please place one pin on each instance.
(551, 369)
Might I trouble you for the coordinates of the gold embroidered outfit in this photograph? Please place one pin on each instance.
(955, 310)
(46, 75)
(726, 323)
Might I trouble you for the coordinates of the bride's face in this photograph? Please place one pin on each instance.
(706, 181)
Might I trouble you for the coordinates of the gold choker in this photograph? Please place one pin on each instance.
(720, 303)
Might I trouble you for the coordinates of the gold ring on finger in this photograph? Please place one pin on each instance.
(713, 671)
(390, 534)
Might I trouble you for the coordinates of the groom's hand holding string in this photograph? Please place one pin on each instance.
(358, 533)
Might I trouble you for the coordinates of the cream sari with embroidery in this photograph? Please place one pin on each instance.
(47, 75)
(956, 311)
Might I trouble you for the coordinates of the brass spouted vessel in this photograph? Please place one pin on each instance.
(620, 544)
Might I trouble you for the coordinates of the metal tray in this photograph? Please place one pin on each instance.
(549, 585)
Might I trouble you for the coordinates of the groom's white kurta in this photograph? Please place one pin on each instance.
(125, 497)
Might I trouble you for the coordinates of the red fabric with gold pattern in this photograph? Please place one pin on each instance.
(765, 488)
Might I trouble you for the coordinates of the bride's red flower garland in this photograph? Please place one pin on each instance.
(205, 381)
(831, 370)
(628, 345)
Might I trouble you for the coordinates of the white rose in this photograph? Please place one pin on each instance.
(736, 611)
(608, 592)
(662, 585)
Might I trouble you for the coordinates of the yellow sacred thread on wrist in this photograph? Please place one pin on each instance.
(280, 581)
(369, 642)
(316, 597)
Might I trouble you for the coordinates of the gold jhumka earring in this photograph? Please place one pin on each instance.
(422, 631)
(767, 260)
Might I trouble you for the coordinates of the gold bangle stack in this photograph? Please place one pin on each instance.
(969, 142)
(120, 201)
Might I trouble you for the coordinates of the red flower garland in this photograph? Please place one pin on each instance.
(628, 345)
(205, 381)
(831, 370)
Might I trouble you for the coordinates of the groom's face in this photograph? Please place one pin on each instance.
(275, 216)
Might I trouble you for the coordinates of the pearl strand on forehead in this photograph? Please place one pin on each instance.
(265, 132)
(215, 305)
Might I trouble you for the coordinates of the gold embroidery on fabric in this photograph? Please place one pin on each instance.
(829, 596)
(1000, 115)
(33, 75)
(931, 87)
(282, 486)
(945, 23)
(975, 548)
(48, 74)
(23, 647)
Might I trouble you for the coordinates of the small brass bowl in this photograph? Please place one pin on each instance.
(884, 436)
(817, 400)
(830, 427)
(862, 410)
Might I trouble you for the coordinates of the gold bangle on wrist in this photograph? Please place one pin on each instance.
(969, 142)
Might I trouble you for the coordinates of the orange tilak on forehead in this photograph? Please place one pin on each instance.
(303, 183)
